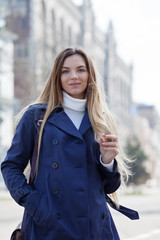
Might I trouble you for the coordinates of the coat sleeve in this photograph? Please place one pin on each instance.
(111, 179)
(16, 160)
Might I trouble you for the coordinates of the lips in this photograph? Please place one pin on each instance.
(74, 84)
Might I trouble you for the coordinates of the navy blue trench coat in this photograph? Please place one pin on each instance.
(67, 199)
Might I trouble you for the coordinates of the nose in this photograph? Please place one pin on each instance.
(73, 75)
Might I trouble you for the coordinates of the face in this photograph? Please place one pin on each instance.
(74, 76)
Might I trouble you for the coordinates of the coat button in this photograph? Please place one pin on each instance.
(55, 191)
(54, 165)
(58, 216)
(104, 216)
(55, 141)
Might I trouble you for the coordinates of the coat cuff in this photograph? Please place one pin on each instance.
(22, 192)
(108, 166)
(107, 171)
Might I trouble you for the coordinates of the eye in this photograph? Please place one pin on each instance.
(81, 70)
(65, 71)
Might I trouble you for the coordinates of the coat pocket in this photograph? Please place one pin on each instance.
(43, 214)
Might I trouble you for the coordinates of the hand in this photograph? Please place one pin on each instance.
(108, 147)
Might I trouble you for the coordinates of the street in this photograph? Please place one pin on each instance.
(148, 227)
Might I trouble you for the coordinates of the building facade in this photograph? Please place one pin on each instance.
(6, 85)
(147, 129)
(43, 28)
(46, 27)
(118, 86)
(6, 90)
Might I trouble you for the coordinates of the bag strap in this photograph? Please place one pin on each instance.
(130, 213)
(35, 151)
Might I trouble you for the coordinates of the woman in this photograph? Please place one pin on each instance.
(76, 163)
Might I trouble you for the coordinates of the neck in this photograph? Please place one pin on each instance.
(73, 103)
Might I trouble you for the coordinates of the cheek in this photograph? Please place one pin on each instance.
(63, 82)
(86, 81)
(86, 84)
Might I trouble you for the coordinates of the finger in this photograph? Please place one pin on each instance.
(108, 138)
(101, 139)
(112, 138)
(110, 144)
(114, 151)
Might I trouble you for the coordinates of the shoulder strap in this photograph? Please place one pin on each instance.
(38, 121)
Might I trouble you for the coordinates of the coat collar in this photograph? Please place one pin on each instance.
(85, 124)
(61, 120)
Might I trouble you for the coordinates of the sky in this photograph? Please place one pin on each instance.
(137, 32)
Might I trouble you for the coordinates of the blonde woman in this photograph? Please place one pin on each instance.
(78, 161)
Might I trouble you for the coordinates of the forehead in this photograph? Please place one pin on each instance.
(74, 60)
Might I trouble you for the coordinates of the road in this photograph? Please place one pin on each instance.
(148, 227)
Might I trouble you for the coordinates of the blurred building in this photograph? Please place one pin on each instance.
(43, 28)
(118, 85)
(147, 129)
(6, 84)
(46, 27)
(149, 112)
(6, 89)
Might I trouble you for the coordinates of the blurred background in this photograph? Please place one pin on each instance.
(123, 39)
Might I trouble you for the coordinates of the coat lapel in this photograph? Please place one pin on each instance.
(85, 124)
(61, 120)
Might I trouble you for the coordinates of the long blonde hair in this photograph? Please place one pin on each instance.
(99, 114)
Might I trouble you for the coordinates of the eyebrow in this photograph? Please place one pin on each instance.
(82, 66)
(77, 67)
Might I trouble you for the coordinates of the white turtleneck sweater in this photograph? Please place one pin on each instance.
(75, 109)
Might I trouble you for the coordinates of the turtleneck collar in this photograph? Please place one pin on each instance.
(73, 103)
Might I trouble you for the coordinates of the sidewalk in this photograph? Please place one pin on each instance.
(10, 215)
(147, 228)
